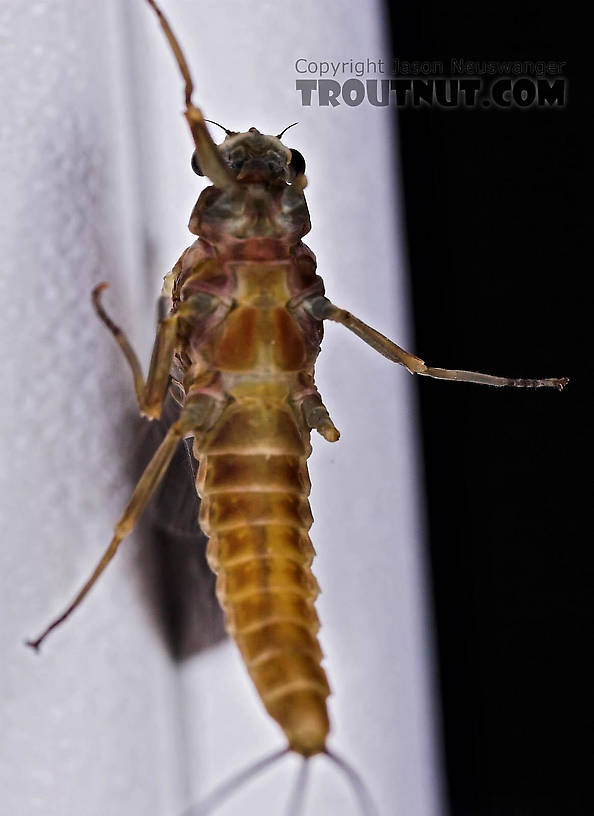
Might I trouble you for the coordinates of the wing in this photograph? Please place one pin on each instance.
(180, 582)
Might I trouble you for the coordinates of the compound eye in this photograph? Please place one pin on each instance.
(196, 165)
(297, 163)
(237, 159)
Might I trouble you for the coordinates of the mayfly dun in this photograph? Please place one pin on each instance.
(241, 328)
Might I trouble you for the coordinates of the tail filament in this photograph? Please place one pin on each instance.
(226, 789)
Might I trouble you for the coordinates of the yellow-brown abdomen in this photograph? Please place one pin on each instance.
(254, 486)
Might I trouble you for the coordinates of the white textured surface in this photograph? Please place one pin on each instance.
(89, 726)
(95, 187)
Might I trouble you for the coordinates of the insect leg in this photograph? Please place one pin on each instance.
(197, 415)
(149, 480)
(323, 309)
(317, 417)
(209, 158)
(150, 394)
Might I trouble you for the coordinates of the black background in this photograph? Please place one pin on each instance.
(498, 209)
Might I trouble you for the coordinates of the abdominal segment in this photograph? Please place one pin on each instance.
(254, 485)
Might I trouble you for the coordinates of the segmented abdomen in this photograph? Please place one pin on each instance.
(254, 486)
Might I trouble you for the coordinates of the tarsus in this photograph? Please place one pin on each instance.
(177, 51)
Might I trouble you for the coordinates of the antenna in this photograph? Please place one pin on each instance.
(227, 131)
(286, 129)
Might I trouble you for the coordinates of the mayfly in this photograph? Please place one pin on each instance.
(236, 348)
